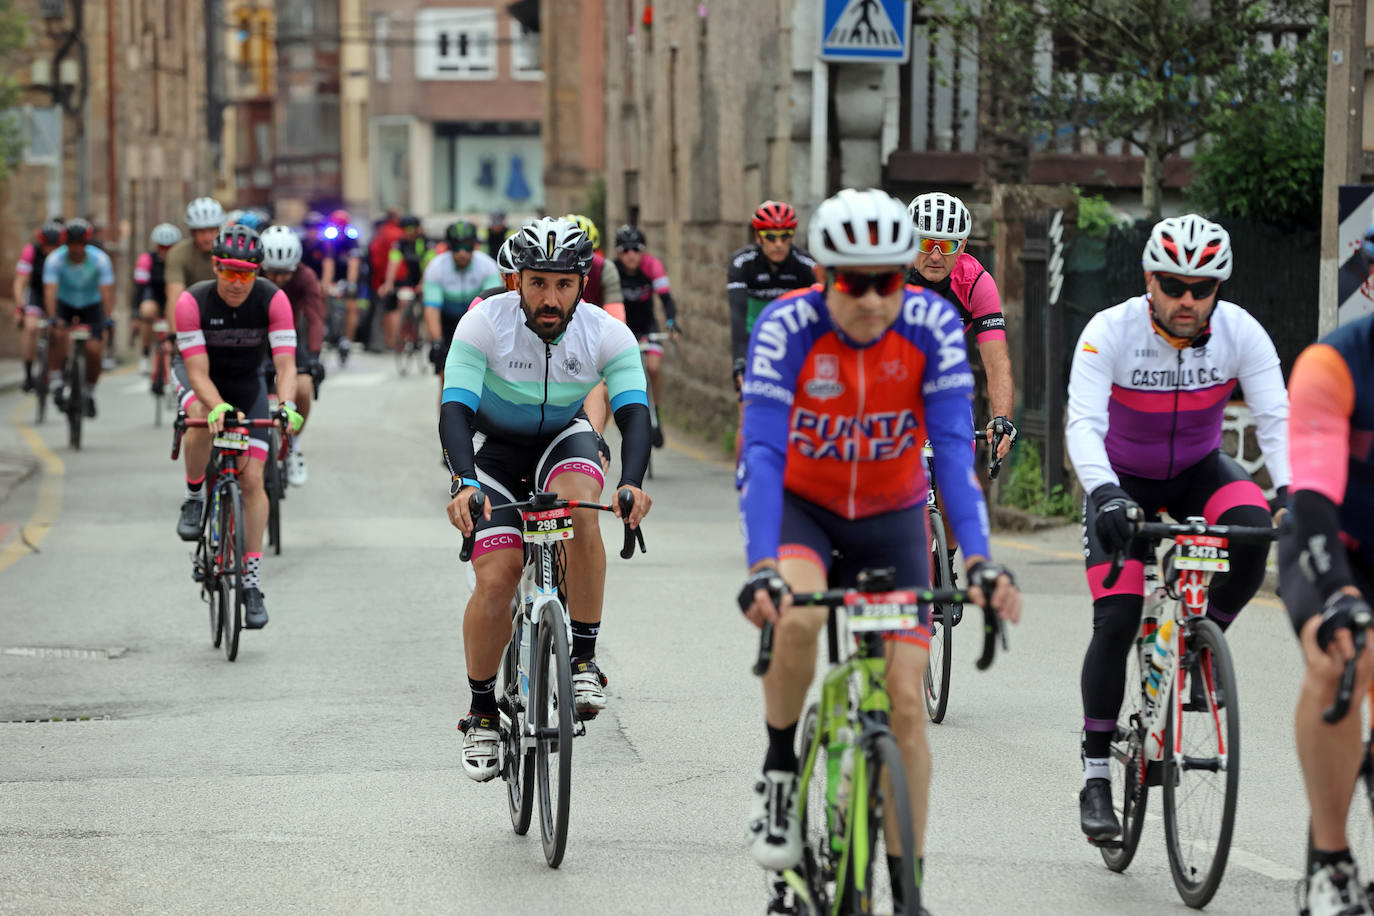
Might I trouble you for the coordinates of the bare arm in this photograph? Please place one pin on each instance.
(198, 373)
(286, 376)
(50, 299)
(997, 363)
(433, 327)
(107, 299)
(598, 407)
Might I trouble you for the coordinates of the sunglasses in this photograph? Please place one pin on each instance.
(776, 236)
(1174, 288)
(857, 282)
(624, 248)
(464, 246)
(946, 246)
(233, 275)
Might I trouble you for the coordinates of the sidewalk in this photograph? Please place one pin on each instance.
(11, 374)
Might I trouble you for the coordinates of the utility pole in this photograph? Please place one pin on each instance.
(1349, 137)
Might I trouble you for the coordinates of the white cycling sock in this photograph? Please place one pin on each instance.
(1096, 768)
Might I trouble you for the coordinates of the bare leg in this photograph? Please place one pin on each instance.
(586, 552)
(1329, 753)
(794, 647)
(906, 665)
(254, 502)
(486, 621)
(195, 445)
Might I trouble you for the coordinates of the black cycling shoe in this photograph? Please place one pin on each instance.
(1096, 812)
(90, 407)
(658, 429)
(254, 611)
(59, 399)
(29, 384)
(188, 526)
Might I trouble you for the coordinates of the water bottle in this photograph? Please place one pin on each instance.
(1156, 688)
(214, 514)
(842, 792)
(839, 758)
(523, 631)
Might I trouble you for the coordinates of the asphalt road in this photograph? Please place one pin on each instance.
(320, 772)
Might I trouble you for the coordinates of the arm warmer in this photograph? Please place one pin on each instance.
(455, 435)
(632, 420)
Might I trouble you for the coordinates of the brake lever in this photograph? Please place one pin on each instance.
(476, 502)
(626, 501)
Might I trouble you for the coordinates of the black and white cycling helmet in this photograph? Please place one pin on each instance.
(940, 216)
(165, 234)
(505, 257)
(866, 228)
(554, 245)
(281, 248)
(204, 213)
(1189, 245)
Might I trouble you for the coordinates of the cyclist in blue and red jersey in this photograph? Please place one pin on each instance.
(844, 383)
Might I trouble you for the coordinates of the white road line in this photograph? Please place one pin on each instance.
(1247, 860)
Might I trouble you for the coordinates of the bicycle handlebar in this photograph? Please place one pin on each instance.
(184, 423)
(1359, 627)
(837, 597)
(1172, 530)
(624, 498)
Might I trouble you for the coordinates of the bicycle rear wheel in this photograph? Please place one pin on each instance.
(519, 768)
(1127, 756)
(552, 699)
(231, 546)
(941, 656)
(1200, 786)
(1359, 826)
(76, 393)
(274, 482)
(885, 816)
(818, 857)
(40, 382)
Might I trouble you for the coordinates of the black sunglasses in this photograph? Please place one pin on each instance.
(1174, 288)
(858, 282)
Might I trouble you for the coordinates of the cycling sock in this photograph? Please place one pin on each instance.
(1096, 768)
(252, 563)
(483, 696)
(1319, 858)
(195, 489)
(28, 370)
(296, 444)
(781, 755)
(584, 639)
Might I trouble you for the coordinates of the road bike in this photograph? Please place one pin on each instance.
(538, 720)
(852, 790)
(411, 346)
(74, 382)
(1189, 745)
(41, 384)
(944, 617)
(218, 562)
(160, 373)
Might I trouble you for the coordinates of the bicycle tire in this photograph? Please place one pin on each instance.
(274, 483)
(41, 385)
(220, 604)
(1204, 641)
(76, 393)
(887, 798)
(940, 658)
(552, 699)
(818, 859)
(519, 774)
(1127, 755)
(231, 567)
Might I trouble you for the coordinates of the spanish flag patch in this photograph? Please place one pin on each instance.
(1088, 348)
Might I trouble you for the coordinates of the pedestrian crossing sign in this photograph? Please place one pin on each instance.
(876, 31)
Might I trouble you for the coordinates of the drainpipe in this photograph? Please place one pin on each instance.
(820, 129)
(112, 220)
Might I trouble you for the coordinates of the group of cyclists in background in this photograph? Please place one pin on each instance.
(849, 357)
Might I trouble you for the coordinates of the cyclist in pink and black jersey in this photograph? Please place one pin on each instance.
(28, 292)
(942, 265)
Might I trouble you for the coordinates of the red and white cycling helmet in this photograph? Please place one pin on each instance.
(774, 214)
(1189, 245)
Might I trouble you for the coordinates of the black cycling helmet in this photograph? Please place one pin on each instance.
(409, 221)
(238, 243)
(554, 245)
(628, 236)
(51, 232)
(78, 230)
(459, 233)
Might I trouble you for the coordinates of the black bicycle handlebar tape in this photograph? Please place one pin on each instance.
(765, 651)
(626, 499)
(476, 502)
(998, 434)
(993, 628)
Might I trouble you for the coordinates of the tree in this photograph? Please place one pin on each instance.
(13, 34)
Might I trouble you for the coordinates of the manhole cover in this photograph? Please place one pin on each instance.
(65, 652)
(52, 719)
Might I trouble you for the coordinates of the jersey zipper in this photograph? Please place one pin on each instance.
(1173, 429)
(858, 424)
(548, 359)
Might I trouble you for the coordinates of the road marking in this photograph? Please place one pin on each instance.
(695, 453)
(45, 512)
(1246, 860)
(359, 380)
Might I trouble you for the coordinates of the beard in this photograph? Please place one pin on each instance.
(533, 320)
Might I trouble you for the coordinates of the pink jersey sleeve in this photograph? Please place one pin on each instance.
(190, 336)
(26, 259)
(281, 325)
(143, 268)
(1321, 397)
(653, 269)
(979, 291)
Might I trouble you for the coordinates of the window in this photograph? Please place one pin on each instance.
(524, 53)
(381, 31)
(479, 167)
(36, 132)
(455, 44)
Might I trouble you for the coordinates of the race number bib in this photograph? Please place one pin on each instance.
(1200, 552)
(878, 612)
(233, 439)
(548, 525)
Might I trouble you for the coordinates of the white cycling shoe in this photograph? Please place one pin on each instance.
(1334, 890)
(589, 695)
(296, 473)
(774, 828)
(481, 743)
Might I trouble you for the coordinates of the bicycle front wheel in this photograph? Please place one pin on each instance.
(818, 854)
(231, 547)
(1359, 826)
(519, 771)
(1130, 788)
(274, 482)
(941, 656)
(1201, 781)
(40, 382)
(888, 834)
(76, 393)
(552, 700)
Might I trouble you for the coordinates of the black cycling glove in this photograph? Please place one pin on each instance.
(1342, 612)
(766, 578)
(1116, 514)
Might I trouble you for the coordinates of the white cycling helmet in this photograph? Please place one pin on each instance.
(554, 245)
(940, 216)
(165, 234)
(860, 229)
(505, 257)
(204, 213)
(281, 248)
(1189, 245)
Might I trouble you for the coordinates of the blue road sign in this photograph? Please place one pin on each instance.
(876, 31)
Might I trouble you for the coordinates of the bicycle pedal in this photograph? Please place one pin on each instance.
(579, 728)
(1114, 843)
